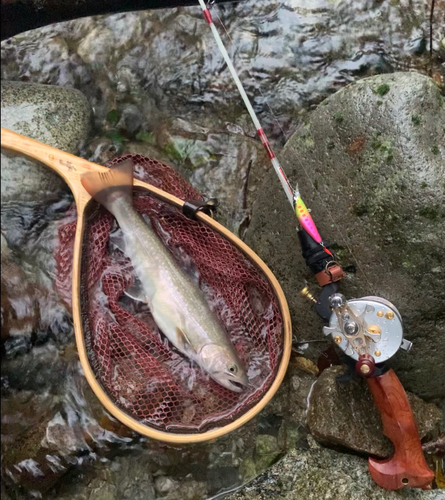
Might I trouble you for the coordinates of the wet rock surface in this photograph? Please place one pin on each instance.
(344, 415)
(67, 427)
(34, 199)
(51, 422)
(319, 473)
(218, 159)
(370, 162)
(141, 69)
(56, 116)
(167, 59)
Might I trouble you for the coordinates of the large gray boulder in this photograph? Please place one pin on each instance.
(57, 116)
(370, 163)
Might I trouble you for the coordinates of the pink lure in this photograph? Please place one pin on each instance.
(307, 222)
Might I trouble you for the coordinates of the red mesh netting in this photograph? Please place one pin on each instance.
(138, 368)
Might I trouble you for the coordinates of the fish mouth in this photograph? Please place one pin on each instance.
(237, 385)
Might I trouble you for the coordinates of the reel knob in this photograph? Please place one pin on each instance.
(365, 366)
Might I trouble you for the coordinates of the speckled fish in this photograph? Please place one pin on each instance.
(176, 303)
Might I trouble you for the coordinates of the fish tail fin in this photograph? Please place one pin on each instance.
(107, 187)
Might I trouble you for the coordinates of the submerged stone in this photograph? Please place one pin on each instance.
(267, 450)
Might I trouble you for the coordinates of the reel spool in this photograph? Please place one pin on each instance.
(368, 330)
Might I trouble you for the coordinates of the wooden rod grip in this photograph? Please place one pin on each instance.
(407, 467)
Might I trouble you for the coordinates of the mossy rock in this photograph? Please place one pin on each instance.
(375, 183)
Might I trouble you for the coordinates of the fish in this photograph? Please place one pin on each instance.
(176, 303)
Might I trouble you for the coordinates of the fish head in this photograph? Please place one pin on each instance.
(224, 366)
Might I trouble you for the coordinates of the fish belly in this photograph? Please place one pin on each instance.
(175, 301)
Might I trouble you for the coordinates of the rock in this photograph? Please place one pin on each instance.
(248, 469)
(103, 149)
(32, 312)
(222, 164)
(131, 120)
(164, 485)
(19, 308)
(25, 460)
(370, 162)
(320, 473)
(146, 149)
(171, 55)
(40, 370)
(56, 424)
(306, 365)
(56, 116)
(267, 450)
(344, 415)
(133, 479)
(33, 200)
(220, 479)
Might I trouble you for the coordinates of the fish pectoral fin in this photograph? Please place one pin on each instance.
(136, 291)
(117, 240)
(183, 340)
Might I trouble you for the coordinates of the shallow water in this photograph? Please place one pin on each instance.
(139, 70)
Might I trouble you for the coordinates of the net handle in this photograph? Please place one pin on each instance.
(71, 168)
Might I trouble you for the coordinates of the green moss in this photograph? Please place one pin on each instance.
(379, 103)
(430, 213)
(267, 451)
(172, 152)
(116, 136)
(435, 150)
(383, 148)
(147, 137)
(338, 117)
(191, 154)
(416, 119)
(113, 116)
(382, 89)
(424, 185)
(360, 209)
(248, 469)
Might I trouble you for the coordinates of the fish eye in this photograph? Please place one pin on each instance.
(233, 369)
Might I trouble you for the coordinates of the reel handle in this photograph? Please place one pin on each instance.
(407, 467)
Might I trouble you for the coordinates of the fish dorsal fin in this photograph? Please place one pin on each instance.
(183, 340)
(106, 187)
(136, 291)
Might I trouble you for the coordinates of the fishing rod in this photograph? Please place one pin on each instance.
(318, 257)
(368, 330)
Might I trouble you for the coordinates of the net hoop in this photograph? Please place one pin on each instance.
(107, 402)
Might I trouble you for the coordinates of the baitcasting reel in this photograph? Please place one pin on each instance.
(368, 330)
